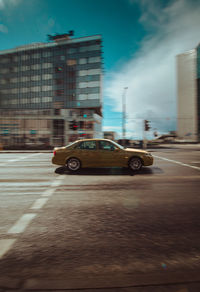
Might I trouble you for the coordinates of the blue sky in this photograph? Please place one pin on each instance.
(140, 37)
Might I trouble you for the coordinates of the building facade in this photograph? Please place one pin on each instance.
(188, 91)
(46, 88)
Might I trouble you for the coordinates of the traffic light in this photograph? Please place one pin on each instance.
(73, 125)
(146, 125)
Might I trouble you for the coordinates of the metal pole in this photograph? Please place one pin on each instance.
(124, 115)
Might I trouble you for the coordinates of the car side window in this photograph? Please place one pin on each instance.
(105, 145)
(87, 145)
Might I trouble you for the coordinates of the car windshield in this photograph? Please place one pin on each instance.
(118, 145)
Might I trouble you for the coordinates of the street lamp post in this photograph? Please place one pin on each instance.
(124, 115)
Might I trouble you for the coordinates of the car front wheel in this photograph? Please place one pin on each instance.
(73, 164)
(135, 163)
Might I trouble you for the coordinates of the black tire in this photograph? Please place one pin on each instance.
(73, 164)
(135, 164)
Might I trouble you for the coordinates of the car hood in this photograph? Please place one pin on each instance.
(135, 150)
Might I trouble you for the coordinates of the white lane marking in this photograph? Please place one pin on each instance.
(60, 177)
(39, 203)
(18, 159)
(5, 245)
(48, 193)
(21, 224)
(56, 183)
(177, 162)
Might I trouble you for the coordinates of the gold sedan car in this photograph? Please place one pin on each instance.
(100, 153)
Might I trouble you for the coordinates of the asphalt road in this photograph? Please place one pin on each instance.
(100, 228)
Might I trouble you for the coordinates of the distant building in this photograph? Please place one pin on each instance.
(110, 135)
(188, 90)
(51, 93)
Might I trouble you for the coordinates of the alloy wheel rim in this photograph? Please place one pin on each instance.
(135, 164)
(73, 164)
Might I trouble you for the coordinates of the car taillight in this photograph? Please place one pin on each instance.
(54, 153)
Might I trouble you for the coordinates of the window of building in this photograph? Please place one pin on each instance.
(14, 80)
(89, 84)
(82, 84)
(93, 96)
(3, 81)
(4, 70)
(14, 69)
(46, 87)
(47, 65)
(35, 67)
(13, 101)
(83, 72)
(72, 50)
(94, 48)
(89, 72)
(15, 58)
(82, 96)
(24, 100)
(46, 54)
(83, 49)
(24, 90)
(24, 78)
(4, 60)
(35, 100)
(46, 76)
(35, 88)
(25, 68)
(62, 58)
(94, 71)
(83, 61)
(36, 56)
(25, 57)
(35, 78)
(71, 62)
(14, 90)
(88, 96)
(94, 60)
(47, 99)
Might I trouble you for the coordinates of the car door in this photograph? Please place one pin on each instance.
(87, 153)
(109, 154)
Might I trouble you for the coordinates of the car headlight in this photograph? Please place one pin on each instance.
(148, 154)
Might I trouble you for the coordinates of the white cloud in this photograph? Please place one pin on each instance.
(151, 74)
(4, 4)
(3, 28)
(112, 128)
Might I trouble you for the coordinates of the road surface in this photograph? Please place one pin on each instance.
(100, 228)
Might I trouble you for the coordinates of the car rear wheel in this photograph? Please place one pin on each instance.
(73, 164)
(135, 163)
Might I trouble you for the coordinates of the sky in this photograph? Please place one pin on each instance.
(141, 39)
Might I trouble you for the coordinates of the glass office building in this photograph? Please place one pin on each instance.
(45, 88)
